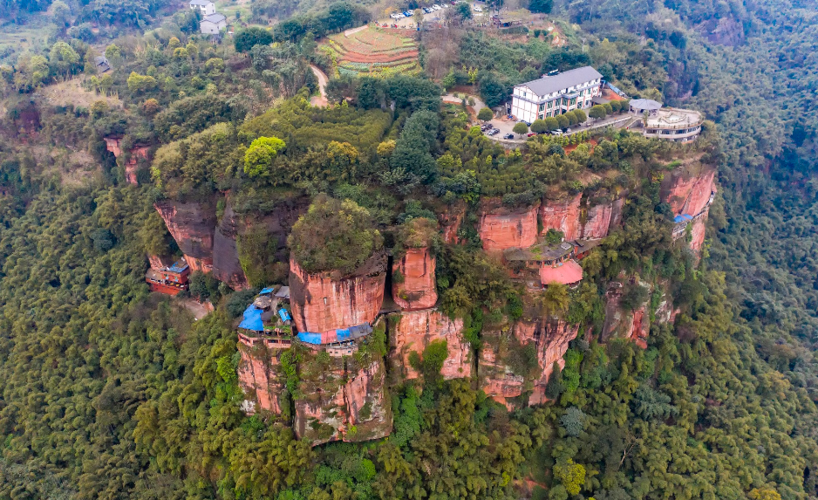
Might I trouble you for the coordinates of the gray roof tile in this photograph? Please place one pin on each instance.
(563, 80)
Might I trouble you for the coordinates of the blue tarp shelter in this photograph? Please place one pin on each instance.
(267, 290)
(284, 315)
(252, 319)
(682, 218)
(310, 338)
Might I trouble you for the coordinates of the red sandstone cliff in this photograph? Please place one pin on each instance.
(597, 221)
(503, 230)
(551, 338)
(562, 215)
(697, 232)
(450, 221)
(323, 301)
(342, 401)
(226, 265)
(413, 331)
(633, 325)
(497, 378)
(114, 145)
(259, 375)
(192, 226)
(688, 194)
(417, 290)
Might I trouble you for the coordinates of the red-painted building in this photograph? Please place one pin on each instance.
(169, 280)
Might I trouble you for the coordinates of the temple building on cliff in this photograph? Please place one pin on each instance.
(170, 280)
(544, 264)
(267, 320)
(672, 124)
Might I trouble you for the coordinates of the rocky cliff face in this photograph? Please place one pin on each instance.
(192, 226)
(688, 194)
(450, 222)
(114, 145)
(226, 265)
(413, 331)
(323, 301)
(562, 215)
(697, 232)
(342, 401)
(497, 377)
(260, 377)
(417, 290)
(633, 325)
(551, 338)
(500, 231)
(597, 221)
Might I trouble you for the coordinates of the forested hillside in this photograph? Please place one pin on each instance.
(108, 391)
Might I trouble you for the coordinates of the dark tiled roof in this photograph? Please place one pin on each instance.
(556, 83)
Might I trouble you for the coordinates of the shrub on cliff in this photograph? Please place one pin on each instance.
(334, 235)
(417, 233)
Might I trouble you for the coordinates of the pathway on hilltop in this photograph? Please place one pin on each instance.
(320, 101)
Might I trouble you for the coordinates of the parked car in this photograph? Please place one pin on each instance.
(508, 136)
(532, 134)
(436, 7)
(477, 8)
(494, 131)
(408, 13)
(486, 126)
(556, 132)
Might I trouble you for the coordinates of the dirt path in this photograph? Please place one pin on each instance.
(320, 101)
(198, 310)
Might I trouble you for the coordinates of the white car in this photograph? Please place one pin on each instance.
(477, 8)
(436, 7)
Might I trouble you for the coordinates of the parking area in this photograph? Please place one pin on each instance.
(435, 13)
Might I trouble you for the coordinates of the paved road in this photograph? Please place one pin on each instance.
(320, 101)
(505, 125)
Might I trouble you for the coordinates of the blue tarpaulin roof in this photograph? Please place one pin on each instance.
(252, 319)
(267, 290)
(178, 266)
(682, 218)
(284, 315)
(310, 338)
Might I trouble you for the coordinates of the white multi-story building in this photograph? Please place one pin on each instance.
(555, 94)
(206, 7)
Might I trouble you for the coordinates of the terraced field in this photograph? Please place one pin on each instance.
(371, 52)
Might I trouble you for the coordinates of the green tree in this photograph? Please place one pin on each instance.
(597, 112)
(563, 121)
(248, 38)
(552, 123)
(63, 58)
(485, 114)
(608, 108)
(60, 14)
(334, 235)
(520, 128)
(572, 118)
(541, 6)
(449, 80)
(571, 475)
(463, 11)
(258, 159)
(539, 126)
(140, 83)
(580, 114)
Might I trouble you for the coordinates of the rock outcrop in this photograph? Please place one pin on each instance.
(325, 301)
(114, 145)
(562, 215)
(551, 337)
(414, 331)
(504, 229)
(192, 226)
(342, 401)
(259, 376)
(597, 221)
(417, 289)
(688, 194)
(633, 325)
(450, 222)
(226, 264)
(497, 377)
(697, 232)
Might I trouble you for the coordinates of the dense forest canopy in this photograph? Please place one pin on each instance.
(108, 391)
